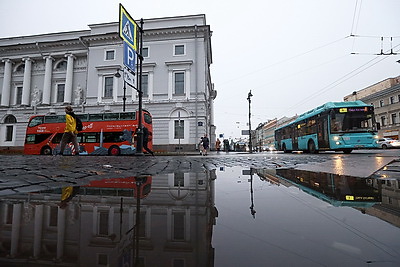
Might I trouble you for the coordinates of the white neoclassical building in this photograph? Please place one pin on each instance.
(40, 74)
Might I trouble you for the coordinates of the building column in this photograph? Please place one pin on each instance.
(26, 88)
(47, 80)
(15, 229)
(60, 233)
(69, 79)
(37, 232)
(5, 98)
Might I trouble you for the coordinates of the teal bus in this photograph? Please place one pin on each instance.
(337, 126)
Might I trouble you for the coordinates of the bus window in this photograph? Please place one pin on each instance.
(115, 137)
(128, 116)
(90, 138)
(35, 121)
(111, 116)
(54, 118)
(95, 117)
(57, 138)
(147, 118)
(36, 138)
(83, 117)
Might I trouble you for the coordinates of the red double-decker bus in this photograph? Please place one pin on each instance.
(102, 134)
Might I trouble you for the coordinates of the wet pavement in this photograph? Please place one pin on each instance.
(264, 209)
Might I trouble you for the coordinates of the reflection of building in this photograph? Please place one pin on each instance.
(385, 97)
(42, 73)
(176, 224)
(389, 209)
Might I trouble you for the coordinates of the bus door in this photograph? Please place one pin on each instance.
(322, 132)
(295, 136)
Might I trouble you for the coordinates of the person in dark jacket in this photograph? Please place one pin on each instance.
(146, 140)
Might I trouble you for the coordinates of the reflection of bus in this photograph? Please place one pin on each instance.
(339, 126)
(102, 134)
(119, 187)
(338, 190)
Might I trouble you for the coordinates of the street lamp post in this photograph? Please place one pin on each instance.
(118, 75)
(249, 99)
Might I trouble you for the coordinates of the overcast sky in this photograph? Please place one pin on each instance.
(293, 55)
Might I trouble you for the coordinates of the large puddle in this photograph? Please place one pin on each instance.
(225, 217)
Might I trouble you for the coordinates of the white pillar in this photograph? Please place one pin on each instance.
(68, 79)
(15, 229)
(6, 92)
(47, 81)
(37, 232)
(26, 88)
(60, 232)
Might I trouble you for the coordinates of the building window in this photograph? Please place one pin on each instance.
(20, 68)
(60, 92)
(145, 84)
(179, 50)
(398, 98)
(9, 133)
(179, 83)
(53, 216)
(394, 118)
(108, 86)
(19, 95)
(110, 55)
(179, 129)
(102, 260)
(179, 226)
(145, 52)
(179, 179)
(381, 103)
(62, 65)
(391, 100)
(102, 223)
(383, 121)
(10, 119)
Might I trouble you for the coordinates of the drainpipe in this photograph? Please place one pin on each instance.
(196, 89)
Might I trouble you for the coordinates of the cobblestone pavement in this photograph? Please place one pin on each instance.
(22, 173)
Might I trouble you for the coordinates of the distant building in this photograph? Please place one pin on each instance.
(40, 74)
(385, 97)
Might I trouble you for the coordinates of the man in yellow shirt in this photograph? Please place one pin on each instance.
(70, 132)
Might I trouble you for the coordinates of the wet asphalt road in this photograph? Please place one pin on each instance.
(23, 173)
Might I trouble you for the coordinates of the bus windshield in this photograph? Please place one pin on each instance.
(351, 120)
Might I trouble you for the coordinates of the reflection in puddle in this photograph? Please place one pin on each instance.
(265, 218)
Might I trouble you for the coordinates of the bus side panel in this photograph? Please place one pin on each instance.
(303, 141)
(288, 143)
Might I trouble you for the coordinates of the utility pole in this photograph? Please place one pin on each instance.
(249, 99)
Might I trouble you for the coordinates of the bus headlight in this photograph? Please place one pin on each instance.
(376, 137)
(336, 138)
(337, 142)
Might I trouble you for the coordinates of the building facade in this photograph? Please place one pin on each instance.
(41, 74)
(385, 97)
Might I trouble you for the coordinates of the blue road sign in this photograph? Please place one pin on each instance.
(129, 57)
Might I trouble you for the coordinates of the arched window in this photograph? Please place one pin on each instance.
(20, 68)
(10, 119)
(62, 65)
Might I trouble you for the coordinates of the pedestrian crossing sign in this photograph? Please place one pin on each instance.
(127, 28)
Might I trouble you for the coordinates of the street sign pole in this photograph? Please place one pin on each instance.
(139, 146)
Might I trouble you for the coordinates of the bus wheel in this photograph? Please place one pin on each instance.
(114, 151)
(311, 147)
(46, 150)
(347, 150)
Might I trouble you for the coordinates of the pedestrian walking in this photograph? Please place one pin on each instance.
(218, 145)
(70, 132)
(146, 140)
(206, 144)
